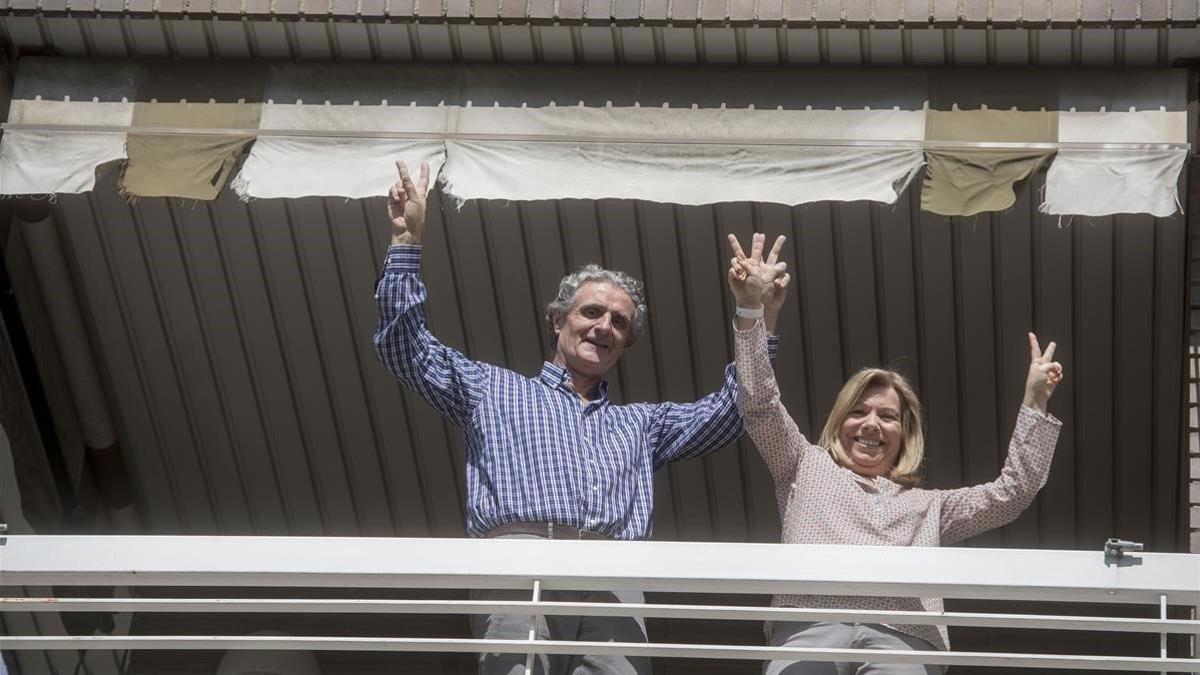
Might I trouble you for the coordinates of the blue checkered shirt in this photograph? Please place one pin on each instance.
(535, 451)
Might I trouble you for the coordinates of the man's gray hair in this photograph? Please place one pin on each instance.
(570, 285)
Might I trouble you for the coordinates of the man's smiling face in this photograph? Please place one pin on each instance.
(593, 334)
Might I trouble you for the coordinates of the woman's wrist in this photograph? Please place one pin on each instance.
(1036, 402)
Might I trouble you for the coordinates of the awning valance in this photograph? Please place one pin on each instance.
(688, 156)
(495, 135)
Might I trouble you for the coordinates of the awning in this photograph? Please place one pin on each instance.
(595, 149)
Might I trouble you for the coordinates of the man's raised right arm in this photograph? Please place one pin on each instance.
(444, 377)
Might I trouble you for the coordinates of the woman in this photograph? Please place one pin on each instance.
(858, 485)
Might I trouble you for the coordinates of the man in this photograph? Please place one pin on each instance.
(550, 456)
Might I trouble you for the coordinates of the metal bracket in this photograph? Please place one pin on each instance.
(1115, 550)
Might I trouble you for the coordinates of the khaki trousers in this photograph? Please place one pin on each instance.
(845, 636)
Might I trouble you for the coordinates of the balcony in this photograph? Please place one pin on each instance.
(219, 567)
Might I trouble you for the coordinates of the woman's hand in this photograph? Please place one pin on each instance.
(1044, 375)
(773, 301)
(757, 283)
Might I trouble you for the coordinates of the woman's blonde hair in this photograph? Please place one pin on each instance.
(912, 445)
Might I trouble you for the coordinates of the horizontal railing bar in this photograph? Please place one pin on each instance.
(656, 611)
(584, 138)
(292, 643)
(1003, 574)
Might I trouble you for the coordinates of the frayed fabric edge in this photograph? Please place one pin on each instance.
(241, 187)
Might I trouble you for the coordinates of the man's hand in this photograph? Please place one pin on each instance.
(1044, 375)
(406, 205)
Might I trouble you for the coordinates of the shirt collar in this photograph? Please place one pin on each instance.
(880, 484)
(557, 377)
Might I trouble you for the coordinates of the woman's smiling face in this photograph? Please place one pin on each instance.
(873, 433)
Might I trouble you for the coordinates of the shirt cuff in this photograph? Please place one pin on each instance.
(403, 259)
(1039, 417)
(772, 347)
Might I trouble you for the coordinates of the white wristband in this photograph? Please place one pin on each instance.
(748, 313)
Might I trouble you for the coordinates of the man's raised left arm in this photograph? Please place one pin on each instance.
(685, 430)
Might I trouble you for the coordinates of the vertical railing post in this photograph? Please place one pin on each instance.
(1162, 637)
(1195, 639)
(533, 619)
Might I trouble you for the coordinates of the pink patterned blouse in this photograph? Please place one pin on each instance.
(821, 502)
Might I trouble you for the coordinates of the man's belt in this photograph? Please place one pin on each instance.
(543, 530)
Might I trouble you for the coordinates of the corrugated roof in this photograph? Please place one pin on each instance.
(319, 41)
(769, 13)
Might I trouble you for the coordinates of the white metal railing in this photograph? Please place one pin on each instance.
(1152, 579)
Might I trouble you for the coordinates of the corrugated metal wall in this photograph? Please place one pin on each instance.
(236, 340)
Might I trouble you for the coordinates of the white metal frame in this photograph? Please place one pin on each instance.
(580, 138)
(1150, 579)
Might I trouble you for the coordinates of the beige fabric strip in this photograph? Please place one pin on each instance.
(967, 182)
(995, 126)
(191, 167)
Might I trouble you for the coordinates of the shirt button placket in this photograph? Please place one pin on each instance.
(593, 473)
(588, 468)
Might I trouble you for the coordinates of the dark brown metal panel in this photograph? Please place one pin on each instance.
(704, 248)
(358, 231)
(521, 324)
(939, 361)
(157, 361)
(340, 365)
(982, 439)
(473, 268)
(674, 346)
(1134, 331)
(816, 283)
(1012, 237)
(186, 330)
(1054, 272)
(673, 372)
(189, 342)
(1169, 441)
(542, 240)
(306, 383)
(891, 228)
(257, 335)
(857, 285)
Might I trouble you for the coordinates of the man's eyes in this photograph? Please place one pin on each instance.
(618, 320)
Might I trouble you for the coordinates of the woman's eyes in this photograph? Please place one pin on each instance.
(889, 416)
